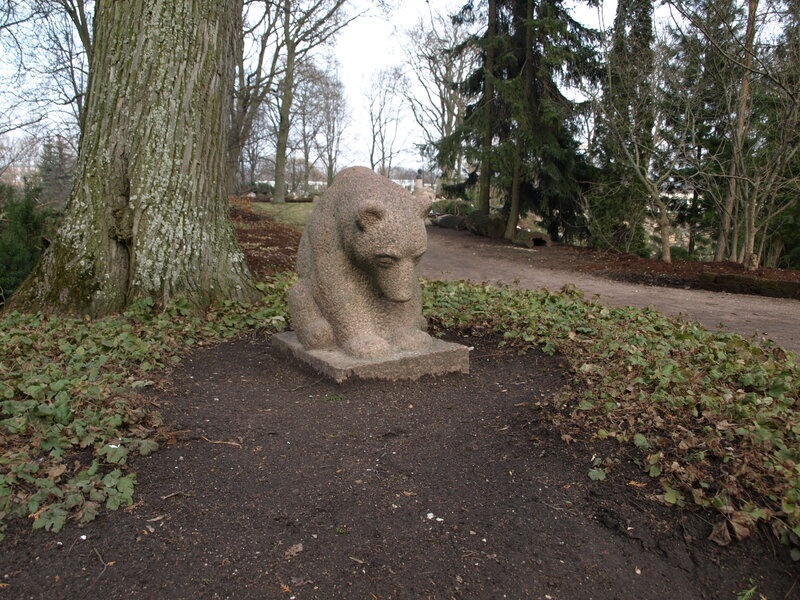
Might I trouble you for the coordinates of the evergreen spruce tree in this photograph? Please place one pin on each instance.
(699, 116)
(56, 166)
(531, 50)
(21, 226)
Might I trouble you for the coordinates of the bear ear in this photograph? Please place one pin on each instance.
(425, 208)
(422, 201)
(368, 216)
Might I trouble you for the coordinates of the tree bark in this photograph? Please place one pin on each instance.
(148, 213)
(284, 123)
(739, 133)
(513, 213)
(664, 227)
(485, 179)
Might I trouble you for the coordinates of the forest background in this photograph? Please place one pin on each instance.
(668, 137)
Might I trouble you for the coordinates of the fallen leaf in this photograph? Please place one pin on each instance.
(638, 484)
(56, 471)
(293, 551)
(720, 534)
(742, 524)
(286, 589)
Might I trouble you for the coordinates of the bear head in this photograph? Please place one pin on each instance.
(387, 246)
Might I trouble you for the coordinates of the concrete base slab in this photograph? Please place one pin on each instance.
(438, 359)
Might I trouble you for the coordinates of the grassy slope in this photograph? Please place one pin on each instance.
(291, 213)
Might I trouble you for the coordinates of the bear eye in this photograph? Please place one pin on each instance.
(386, 261)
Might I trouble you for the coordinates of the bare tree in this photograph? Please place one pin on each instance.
(16, 154)
(13, 43)
(65, 48)
(386, 107)
(438, 58)
(334, 120)
(307, 121)
(258, 67)
(255, 161)
(307, 24)
(758, 89)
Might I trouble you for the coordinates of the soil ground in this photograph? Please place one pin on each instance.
(275, 483)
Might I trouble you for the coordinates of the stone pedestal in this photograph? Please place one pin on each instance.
(438, 359)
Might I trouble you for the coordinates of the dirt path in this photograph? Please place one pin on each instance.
(461, 255)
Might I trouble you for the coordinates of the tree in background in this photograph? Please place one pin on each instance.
(534, 49)
(21, 228)
(476, 135)
(438, 57)
(65, 43)
(306, 24)
(335, 118)
(624, 142)
(385, 108)
(698, 116)
(148, 214)
(751, 174)
(308, 120)
(56, 168)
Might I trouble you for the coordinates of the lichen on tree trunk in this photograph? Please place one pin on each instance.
(148, 213)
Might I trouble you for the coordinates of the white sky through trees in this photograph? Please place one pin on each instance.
(375, 41)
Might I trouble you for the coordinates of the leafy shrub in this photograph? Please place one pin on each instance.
(457, 207)
(262, 187)
(69, 387)
(681, 253)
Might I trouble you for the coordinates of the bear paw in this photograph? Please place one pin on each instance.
(367, 345)
(316, 335)
(411, 339)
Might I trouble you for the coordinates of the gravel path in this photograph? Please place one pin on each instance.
(459, 255)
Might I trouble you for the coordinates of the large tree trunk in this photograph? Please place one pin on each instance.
(738, 134)
(485, 179)
(148, 214)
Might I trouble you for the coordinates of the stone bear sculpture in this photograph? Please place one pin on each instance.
(358, 288)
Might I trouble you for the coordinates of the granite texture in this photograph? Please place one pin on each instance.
(358, 288)
(437, 358)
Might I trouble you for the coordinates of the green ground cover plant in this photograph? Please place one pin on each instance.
(291, 213)
(71, 404)
(712, 417)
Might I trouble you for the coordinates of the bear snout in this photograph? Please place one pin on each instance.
(398, 283)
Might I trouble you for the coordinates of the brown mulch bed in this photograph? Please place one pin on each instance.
(273, 482)
(269, 246)
(717, 276)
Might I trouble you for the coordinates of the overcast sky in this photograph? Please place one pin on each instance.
(374, 42)
(369, 44)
